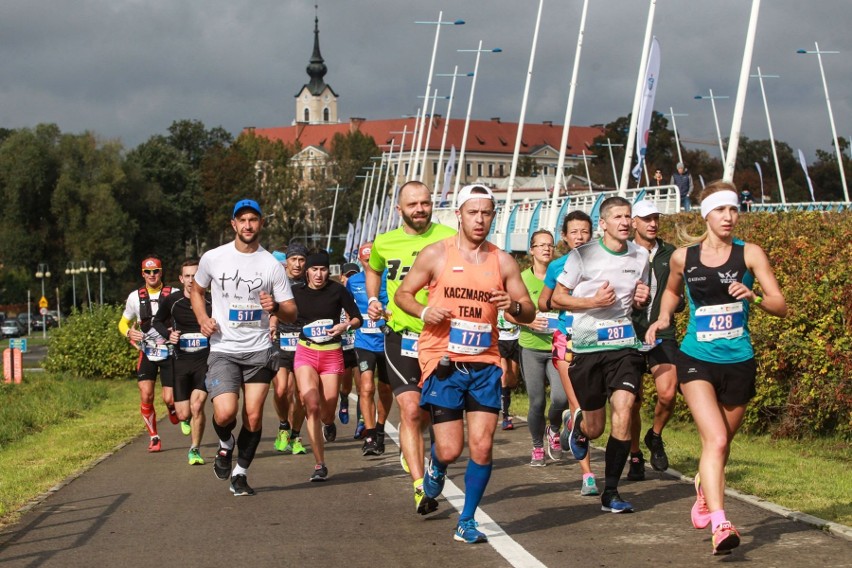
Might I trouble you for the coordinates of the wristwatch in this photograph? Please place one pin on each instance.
(516, 309)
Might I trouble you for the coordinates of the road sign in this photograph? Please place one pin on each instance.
(18, 343)
(43, 311)
(43, 302)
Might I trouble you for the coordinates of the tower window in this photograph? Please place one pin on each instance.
(325, 115)
(307, 115)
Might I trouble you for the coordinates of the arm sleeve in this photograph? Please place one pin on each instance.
(124, 326)
(162, 316)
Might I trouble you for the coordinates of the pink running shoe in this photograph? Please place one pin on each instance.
(538, 458)
(554, 447)
(725, 539)
(700, 514)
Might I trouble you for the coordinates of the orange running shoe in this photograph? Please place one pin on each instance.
(154, 445)
(700, 514)
(725, 539)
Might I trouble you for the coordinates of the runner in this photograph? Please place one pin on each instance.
(395, 251)
(288, 404)
(716, 369)
(369, 347)
(189, 361)
(469, 280)
(576, 231)
(135, 325)
(510, 359)
(319, 356)
(247, 284)
(537, 367)
(660, 359)
(600, 283)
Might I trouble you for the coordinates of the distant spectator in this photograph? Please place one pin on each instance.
(683, 180)
(658, 178)
(746, 200)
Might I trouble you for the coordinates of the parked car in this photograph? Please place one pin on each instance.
(25, 321)
(12, 328)
(38, 322)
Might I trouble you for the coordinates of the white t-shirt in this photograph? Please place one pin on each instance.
(132, 309)
(235, 280)
(586, 269)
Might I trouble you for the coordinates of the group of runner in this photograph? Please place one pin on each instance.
(433, 317)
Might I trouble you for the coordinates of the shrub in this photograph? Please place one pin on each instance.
(89, 345)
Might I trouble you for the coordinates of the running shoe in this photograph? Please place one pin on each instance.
(173, 416)
(467, 532)
(507, 424)
(589, 487)
(565, 434)
(554, 448)
(424, 504)
(538, 458)
(240, 486)
(380, 443)
(194, 457)
(700, 514)
(402, 462)
(725, 539)
(329, 432)
(343, 413)
(659, 459)
(222, 463)
(578, 442)
(370, 448)
(612, 502)
(359, 430)
(185, 427)
(320, 473)
(297, 447)
(154, 444)
(282, 440)
(433, 480)
(637, 467)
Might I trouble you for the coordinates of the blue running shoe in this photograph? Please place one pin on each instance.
(565, 434)
(433, 481)
(467, 532)
(578, 441)
(611, 502)
(343, 413)
(359, 430)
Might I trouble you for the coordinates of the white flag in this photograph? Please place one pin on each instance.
(347, 250)
(807, 176)
(760, 173)
(448, 175)
(646, 105)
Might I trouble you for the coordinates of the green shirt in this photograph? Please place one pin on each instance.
(530, 339)
(396, 251)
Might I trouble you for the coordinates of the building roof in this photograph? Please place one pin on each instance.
(484, 136)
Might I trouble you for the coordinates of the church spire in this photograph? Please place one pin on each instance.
(316, 68)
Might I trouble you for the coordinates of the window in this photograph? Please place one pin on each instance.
(467, 170)
(544, 170)
(405, 170)
(434, 168)
(490, 170)
(325, 114)
(479, 170)
(307, 115)
(501, 171)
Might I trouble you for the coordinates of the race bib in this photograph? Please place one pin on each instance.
(348, 340)
(288, 341)
(245, 315)
(568, 320)
(193, 342)
(724, 321)
(319, 331)
(156, 352)
(469, 338)
(616, 333)
(552, 320)
(409, 344)
(370, 326)
(648, 346)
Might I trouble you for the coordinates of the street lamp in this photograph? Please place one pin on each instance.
(336, 191)
(760, 76)
(609, 145)
(819, 53)
(450, 98)
(674, 127)
(70, 270)
(101, 269)
(479, 51)
(42, 272)
(712, 98)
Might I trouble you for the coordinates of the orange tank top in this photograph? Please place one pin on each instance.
(464, 289)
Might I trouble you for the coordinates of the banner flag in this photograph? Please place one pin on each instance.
(646, 105)
(807, 175)
(448, 174)
(760, 173)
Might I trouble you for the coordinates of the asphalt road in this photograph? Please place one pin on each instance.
(140, 509)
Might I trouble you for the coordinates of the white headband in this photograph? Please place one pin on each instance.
(718, 199)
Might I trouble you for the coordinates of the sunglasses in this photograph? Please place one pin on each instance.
(154, 271)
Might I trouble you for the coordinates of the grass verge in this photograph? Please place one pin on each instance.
(811, 476)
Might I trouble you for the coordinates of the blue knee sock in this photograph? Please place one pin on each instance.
(475, 480)
(442, 467)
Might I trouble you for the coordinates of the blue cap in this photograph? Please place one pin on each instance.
(279, 256)
(247, 204)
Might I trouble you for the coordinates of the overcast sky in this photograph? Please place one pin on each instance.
(128, 68)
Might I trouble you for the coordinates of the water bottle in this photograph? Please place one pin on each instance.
(444, 368)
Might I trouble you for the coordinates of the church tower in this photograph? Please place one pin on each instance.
(316, 102)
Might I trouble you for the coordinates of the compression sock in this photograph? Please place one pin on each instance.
(380, 427)
(226, 439)
(717, 518)
(149, 415)
(247, 443)
(295, 434)
(475, 480)
(506, 399)
(173, 417)
(617, 452)
(284, 425)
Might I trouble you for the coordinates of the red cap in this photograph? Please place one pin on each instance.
(364, 252)
(150, 263)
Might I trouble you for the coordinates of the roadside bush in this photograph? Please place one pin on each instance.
(89, 345)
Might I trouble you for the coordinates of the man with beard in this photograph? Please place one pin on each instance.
(247, 284)
(396, 251)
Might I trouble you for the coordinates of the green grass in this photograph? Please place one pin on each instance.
(76, 420)
(811, 476)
